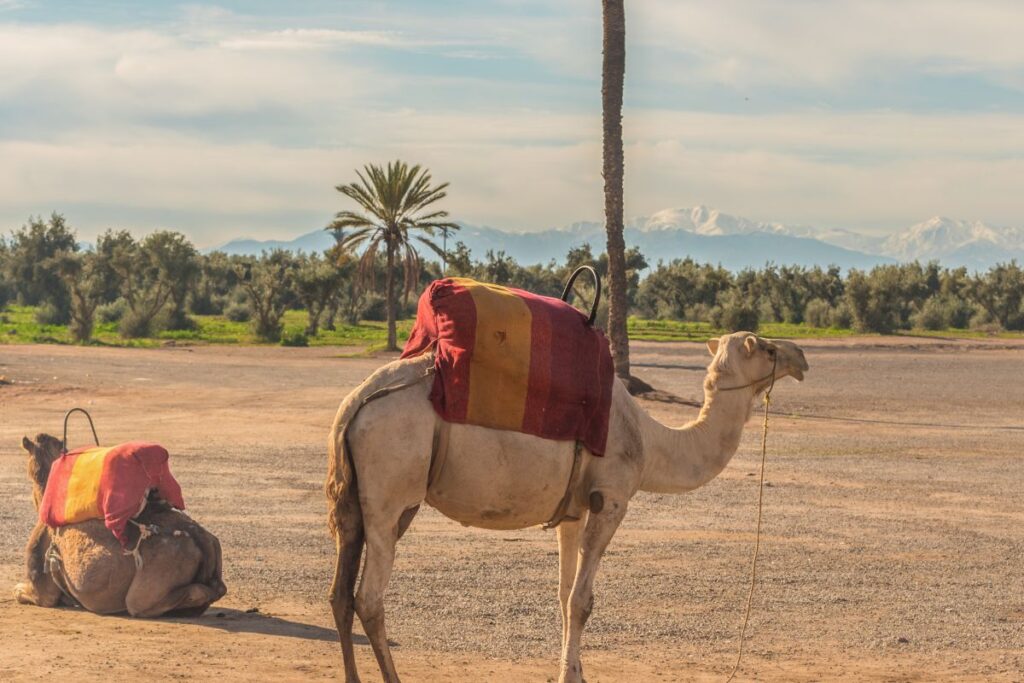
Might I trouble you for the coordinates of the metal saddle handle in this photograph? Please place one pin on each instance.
(597, 290)
(64, 443)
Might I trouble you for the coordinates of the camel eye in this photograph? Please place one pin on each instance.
(771, 353)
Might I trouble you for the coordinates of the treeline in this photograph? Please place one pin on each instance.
(161, 281)
(885, 299)
(147, 285)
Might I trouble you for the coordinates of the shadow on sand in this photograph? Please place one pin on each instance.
(238, 621)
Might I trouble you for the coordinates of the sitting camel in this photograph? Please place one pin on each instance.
(179, 572)
(389, 452)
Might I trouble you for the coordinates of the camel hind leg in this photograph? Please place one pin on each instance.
(382, 534)
(391, 463)
(166, 581)
(346, 522)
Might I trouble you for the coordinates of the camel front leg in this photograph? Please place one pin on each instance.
(570, 533)
(39, 589)
(600, 528)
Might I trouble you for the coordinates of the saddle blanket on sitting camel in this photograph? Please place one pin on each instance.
(111, 484)
(509, 359)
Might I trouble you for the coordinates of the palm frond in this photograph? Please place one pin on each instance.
(349, 219)
(354, 239)
(433, 247)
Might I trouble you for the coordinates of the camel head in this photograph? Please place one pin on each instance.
(743, 358)
(41, 454)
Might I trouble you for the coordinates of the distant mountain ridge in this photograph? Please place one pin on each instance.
(708, 235)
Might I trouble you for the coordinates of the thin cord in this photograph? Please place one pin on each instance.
(757, 536)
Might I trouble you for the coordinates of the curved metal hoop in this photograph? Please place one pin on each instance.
(597, 290)
(64, 443)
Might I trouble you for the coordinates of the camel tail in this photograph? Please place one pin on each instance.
(211, 567)
(345, 520)
(340, 471)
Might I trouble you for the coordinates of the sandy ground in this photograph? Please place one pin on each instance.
(892, 552)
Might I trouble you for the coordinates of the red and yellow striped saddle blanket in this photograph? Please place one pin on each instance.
(509, 359)
(107, 483)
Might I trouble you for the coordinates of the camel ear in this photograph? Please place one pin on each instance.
(713, 346)
(751, 345)
(27, 444)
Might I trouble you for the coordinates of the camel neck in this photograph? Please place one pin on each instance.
(681, 459)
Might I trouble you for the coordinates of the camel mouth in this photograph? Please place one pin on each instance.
(799, 366)
(794, 361)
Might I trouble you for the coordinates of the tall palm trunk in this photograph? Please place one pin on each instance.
(612, 77)
(389, 304)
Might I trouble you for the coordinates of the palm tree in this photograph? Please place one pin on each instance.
(395, 201)
(612, 76)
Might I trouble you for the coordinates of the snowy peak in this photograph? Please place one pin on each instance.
(707, 234)
(940, 238)
(703, 220)
(954, 242)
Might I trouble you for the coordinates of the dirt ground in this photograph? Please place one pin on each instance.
(893, 545)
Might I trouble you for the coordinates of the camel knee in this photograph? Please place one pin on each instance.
(371, 614)
(26, 594)
(370, 611)
(580, 607)
(40, 591)
(564, 592)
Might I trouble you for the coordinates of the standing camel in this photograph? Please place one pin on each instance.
(386, 443)
(179, 572)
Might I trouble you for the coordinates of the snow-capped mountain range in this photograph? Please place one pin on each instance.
(708, 235)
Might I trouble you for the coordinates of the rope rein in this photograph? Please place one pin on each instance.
(757, 535)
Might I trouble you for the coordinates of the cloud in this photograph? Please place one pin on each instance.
(223, 125)
(827, 44)
(310, 39)
(130, 76)
(529, 170)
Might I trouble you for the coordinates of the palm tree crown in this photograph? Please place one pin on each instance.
(395, 202)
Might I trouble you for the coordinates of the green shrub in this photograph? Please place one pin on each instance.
(375, 308)
(943, 312)
(735, 314)
(112, 312)
(842, 316)
(48, 314)
(297, 338)
(818, 313)
(238, 313)
(267, 330)
(176, 320)
(136, 326)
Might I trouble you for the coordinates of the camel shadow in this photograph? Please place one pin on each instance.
(238, 621)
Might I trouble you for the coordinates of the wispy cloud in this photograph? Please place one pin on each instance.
(310, 39)
(223, 123)
(826, 44)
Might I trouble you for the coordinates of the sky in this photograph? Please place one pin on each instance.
(239, 118)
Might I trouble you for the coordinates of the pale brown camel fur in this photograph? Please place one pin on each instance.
(179, 573)
(385, 445)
